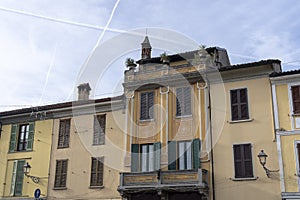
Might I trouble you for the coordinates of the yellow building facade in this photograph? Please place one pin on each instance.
(286, 98)
(25, 141)
(87, 150)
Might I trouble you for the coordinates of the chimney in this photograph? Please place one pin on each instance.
(84, 91)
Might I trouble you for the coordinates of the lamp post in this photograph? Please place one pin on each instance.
(27, 169)
(262, 156)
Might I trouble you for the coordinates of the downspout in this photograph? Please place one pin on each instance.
(277, 136)
(50, 160)
(131, 120)
(167, 113)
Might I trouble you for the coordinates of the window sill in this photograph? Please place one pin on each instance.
(59, 188)
(244, 179)
(240, 121)
(25, 151)
(98, 144)
(63, 147)
(147, 120)
(96, 187)
(296, 115)
(183, 116)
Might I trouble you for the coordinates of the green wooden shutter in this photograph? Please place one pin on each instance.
(134, 157)
(30, 137)
(13, 138)
(157, 150)
(19, 178)
(172, 155)
(196, 153)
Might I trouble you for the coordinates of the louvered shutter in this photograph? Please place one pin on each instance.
(30, 137)
(172, 155)
(100, 171)
(187, 101)
(244, 104)
(196, 153)
(102, 122)
(248, 160)
(134, 157)
(96, 135)
(143, 108)
(238, 165)
(13, 138)
(179, 106)
(296, 99)
(150, 107)
(157, 153)
(19, 178)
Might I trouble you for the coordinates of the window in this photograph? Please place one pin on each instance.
(61, 174)
(296, 98)
(21, 138)
(243, 161)
(298, 157)
(64, 133)
(147, 103)
(239, 104)
(184, 155)
(17, 178)
(99, 129)
(183, 101)
(145, 157)
(97, 172)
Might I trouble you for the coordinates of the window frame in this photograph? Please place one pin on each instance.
(18, 167)
(65, 135)
(98, 130)
(23, 140)
(15, 137)
(60, 173)
(149, 109)
(147, 156)
(243, 175)
(99, 171)
(295, 112)
(186, 112)
(239, 104)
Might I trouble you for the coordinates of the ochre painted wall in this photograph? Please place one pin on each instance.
(38, 159)
(259, 131)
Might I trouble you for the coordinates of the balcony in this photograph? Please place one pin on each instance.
(160, 181)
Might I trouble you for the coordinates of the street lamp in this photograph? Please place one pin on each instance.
(262, 156)
(27, 168)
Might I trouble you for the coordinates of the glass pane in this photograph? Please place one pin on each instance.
(151, 158)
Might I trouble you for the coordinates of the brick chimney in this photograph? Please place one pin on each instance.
(84, 91)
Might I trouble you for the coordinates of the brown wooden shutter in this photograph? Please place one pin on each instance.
(187, 100)
(143, 106)
(296, 99)
(179, 103)
(61, 173)
(64, 133)
(244, 104)
(243, 161)
(239, 104)
(248, 160)
(238, 167)
(97, 172)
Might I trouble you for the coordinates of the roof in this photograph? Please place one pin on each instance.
(59, 105)
(252, 64)
(146, 43)
(285, 73)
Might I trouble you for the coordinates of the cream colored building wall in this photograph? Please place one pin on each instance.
(289, 158)
(4, 145)
(283, 106)
(79, 156)
(259, 132)
(38, 159)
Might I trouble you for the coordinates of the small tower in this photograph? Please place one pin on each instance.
(146, 48)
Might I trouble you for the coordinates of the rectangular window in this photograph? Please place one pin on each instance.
(147, 105)
(239, 104)
(243, 161)
(99, 129)
(21, 138)
(296, 98)
(298, 157)
(184, 155)
(17, 178)
(61, 174)
(64, 133)
(147, 157)
(183, 101)
(97, 172)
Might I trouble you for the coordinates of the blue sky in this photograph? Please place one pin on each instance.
(42, 59)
